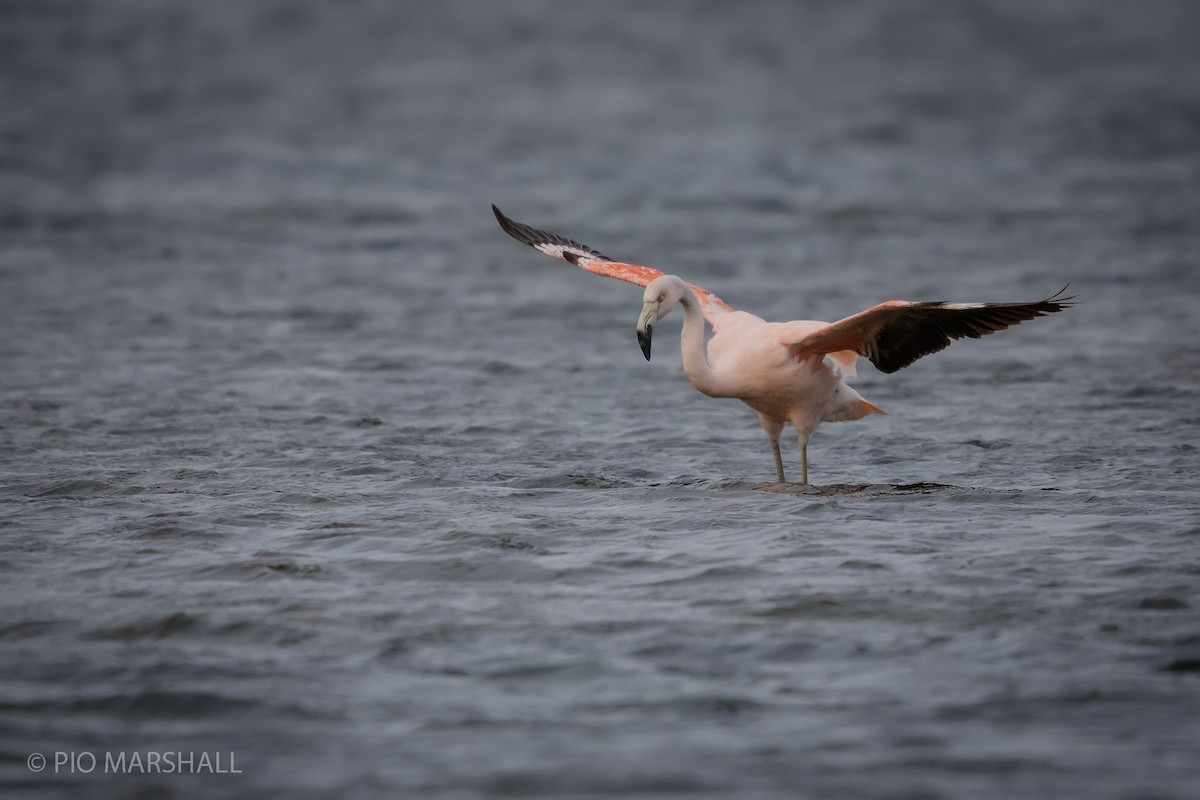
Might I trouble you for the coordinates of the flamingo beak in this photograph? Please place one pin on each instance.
(645, 327)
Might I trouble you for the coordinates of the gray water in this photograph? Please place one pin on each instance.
(303, 460)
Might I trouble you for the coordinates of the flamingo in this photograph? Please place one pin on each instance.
(788, 371)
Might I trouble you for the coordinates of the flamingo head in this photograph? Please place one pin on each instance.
(661, 295)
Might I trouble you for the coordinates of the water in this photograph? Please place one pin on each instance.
(303, 460)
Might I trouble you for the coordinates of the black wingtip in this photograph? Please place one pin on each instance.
(1058, 299)
(533, 237)
(510, 227)
(522, 233)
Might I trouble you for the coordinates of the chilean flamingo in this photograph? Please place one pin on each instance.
(789, 371)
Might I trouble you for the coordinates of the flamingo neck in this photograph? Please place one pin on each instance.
(691, 342)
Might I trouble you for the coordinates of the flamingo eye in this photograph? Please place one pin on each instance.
(662, 296)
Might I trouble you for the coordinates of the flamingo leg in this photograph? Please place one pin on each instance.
(774, 428)
(803, 463)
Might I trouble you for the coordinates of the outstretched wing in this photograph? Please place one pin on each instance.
(896, 333)
(593, 261)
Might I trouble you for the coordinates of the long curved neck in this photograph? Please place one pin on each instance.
(691, 344)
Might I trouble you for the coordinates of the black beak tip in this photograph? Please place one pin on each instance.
(644, 341)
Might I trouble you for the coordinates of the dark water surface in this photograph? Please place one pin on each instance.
(302, 459)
